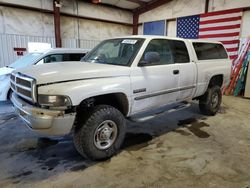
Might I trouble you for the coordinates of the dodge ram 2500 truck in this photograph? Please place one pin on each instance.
(120, 78)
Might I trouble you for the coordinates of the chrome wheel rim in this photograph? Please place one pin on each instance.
(215, 100)
(105, 134)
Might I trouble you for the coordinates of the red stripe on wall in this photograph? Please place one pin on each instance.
(220, 28)
(232, 49)
(19, 49)
(220, 35)
(230, 42)
(233, 56)
(220, 20)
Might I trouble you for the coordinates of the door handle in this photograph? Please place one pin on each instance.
(176, 71)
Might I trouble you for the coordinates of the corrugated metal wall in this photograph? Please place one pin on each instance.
(89, 44)
(20, 26)
(79, 43)
(8, 42)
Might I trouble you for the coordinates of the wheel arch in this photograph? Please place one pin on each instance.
(117, 100)
(216, 80)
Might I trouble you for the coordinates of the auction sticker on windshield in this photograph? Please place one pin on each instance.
(128, 41)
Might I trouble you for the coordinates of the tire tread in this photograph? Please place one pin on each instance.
(82, 131)
(204, 102)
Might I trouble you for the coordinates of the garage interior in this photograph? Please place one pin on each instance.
(178, 149)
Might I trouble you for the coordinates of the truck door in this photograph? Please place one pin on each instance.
(155, 84)
(187, 69)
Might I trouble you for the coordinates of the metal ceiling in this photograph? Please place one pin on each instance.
(126, 4)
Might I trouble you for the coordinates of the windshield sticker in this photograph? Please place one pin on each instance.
(128, 41)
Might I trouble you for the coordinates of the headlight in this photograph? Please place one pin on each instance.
(54, 100)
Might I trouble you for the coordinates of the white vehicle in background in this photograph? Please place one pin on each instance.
(36, 58)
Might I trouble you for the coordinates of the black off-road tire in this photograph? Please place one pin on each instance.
(208, 104)
(85, 130)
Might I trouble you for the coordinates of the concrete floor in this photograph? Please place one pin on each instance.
(181, 149)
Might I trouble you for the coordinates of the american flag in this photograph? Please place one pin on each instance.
(223, 26)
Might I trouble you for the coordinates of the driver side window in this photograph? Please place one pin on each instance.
(163, 48)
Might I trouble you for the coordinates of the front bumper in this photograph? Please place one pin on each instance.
(49, 122)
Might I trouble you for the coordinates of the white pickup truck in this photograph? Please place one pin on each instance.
(120, 78)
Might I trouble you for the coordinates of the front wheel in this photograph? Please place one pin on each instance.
(210, 102)
(101, 134)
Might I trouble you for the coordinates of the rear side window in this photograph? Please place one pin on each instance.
(53, 58)
(180, 52)
(206, 51)
(63, 57)
(76, 57)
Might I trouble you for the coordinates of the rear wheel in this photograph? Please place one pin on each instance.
(210, 102)
(101, 133)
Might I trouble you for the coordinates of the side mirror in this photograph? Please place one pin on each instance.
(150, 57)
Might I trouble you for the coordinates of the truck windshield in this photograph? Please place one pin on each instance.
(120, 51)
(25, 60)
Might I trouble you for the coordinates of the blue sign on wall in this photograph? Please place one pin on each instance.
(154, 28)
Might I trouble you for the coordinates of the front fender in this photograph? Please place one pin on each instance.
(83, 89)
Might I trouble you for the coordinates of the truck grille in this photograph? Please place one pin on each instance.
(23, 86)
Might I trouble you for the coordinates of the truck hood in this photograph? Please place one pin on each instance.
(6, 70)
(69, 71)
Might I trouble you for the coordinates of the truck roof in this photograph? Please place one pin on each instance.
(166, 37)
(64, 50)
